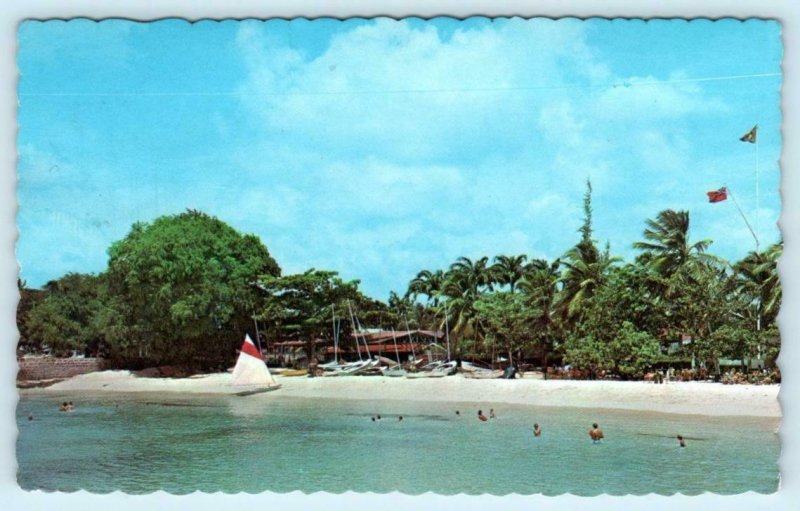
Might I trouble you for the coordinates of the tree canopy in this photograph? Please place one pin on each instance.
(185, 288)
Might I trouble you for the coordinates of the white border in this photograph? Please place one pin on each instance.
(787, 11)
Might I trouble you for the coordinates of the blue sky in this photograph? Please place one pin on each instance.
(378, 148)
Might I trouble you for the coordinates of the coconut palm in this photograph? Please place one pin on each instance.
(585, 270)
(476, 275)
(509, 270)
(427, 283)
(541, 285)
(463, 285)
(757, 276)
(667, 247)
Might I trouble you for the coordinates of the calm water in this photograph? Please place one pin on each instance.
(142, 443)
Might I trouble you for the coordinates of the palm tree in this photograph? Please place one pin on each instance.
(541, 283)
(509, 270)
(427, 283)
(757, 276)
(462, 286)
(667, 247)
(477, 274)
(585, 271)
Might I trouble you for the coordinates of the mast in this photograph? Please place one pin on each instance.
(258, 337)
(369, 355)
(396, 353)
(335, 337)
(355, 334)
(447, 329)
(413, 352)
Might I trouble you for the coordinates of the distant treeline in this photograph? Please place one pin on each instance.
(184, 289)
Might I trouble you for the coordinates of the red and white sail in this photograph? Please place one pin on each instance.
(250, 369)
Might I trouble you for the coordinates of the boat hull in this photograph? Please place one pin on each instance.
(260, 390)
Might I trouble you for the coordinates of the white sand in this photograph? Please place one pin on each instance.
(677, 397)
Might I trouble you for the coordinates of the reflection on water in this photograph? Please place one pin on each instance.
(142, 443)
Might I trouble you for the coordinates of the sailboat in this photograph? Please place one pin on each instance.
(250, 372)
(396, 371)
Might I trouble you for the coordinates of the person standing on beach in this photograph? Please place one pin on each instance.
(536, 430)
(596, 434)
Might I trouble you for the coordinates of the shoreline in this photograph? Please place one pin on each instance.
(692, 398)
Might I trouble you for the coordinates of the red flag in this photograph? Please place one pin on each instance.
(718, 195)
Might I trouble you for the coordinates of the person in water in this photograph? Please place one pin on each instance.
(537, 430)
(596, 434)
(400, 418)
(69, 406)
(63, 407)
(458, 413)
(492, 414)
(681, 441)
(481, 416)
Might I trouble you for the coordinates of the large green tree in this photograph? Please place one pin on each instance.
(509, 322)
(29, 298)
(185, 287)
(65, 317)
(301, 307)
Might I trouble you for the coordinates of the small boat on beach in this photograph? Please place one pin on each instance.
(293, 372)
(484, 374)
(435, 370)
(476, 372)
(350, 369)
(395, 372)
(251, 373)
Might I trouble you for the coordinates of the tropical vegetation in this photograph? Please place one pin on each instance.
(183, 289)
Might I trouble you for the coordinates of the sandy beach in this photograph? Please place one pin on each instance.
(678, 397)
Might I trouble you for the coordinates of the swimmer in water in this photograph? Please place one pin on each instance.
(596, 434)
(536, 430)
(481, 416)
(400, 418)
(492, 414)
(681, 441)
(63, 407)
(458, 413)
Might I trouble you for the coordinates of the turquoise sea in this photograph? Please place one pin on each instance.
(140, 443)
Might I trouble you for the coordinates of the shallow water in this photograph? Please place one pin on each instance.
(140, 443)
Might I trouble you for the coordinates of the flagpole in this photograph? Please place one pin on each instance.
(743, 217)
(758, 223)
